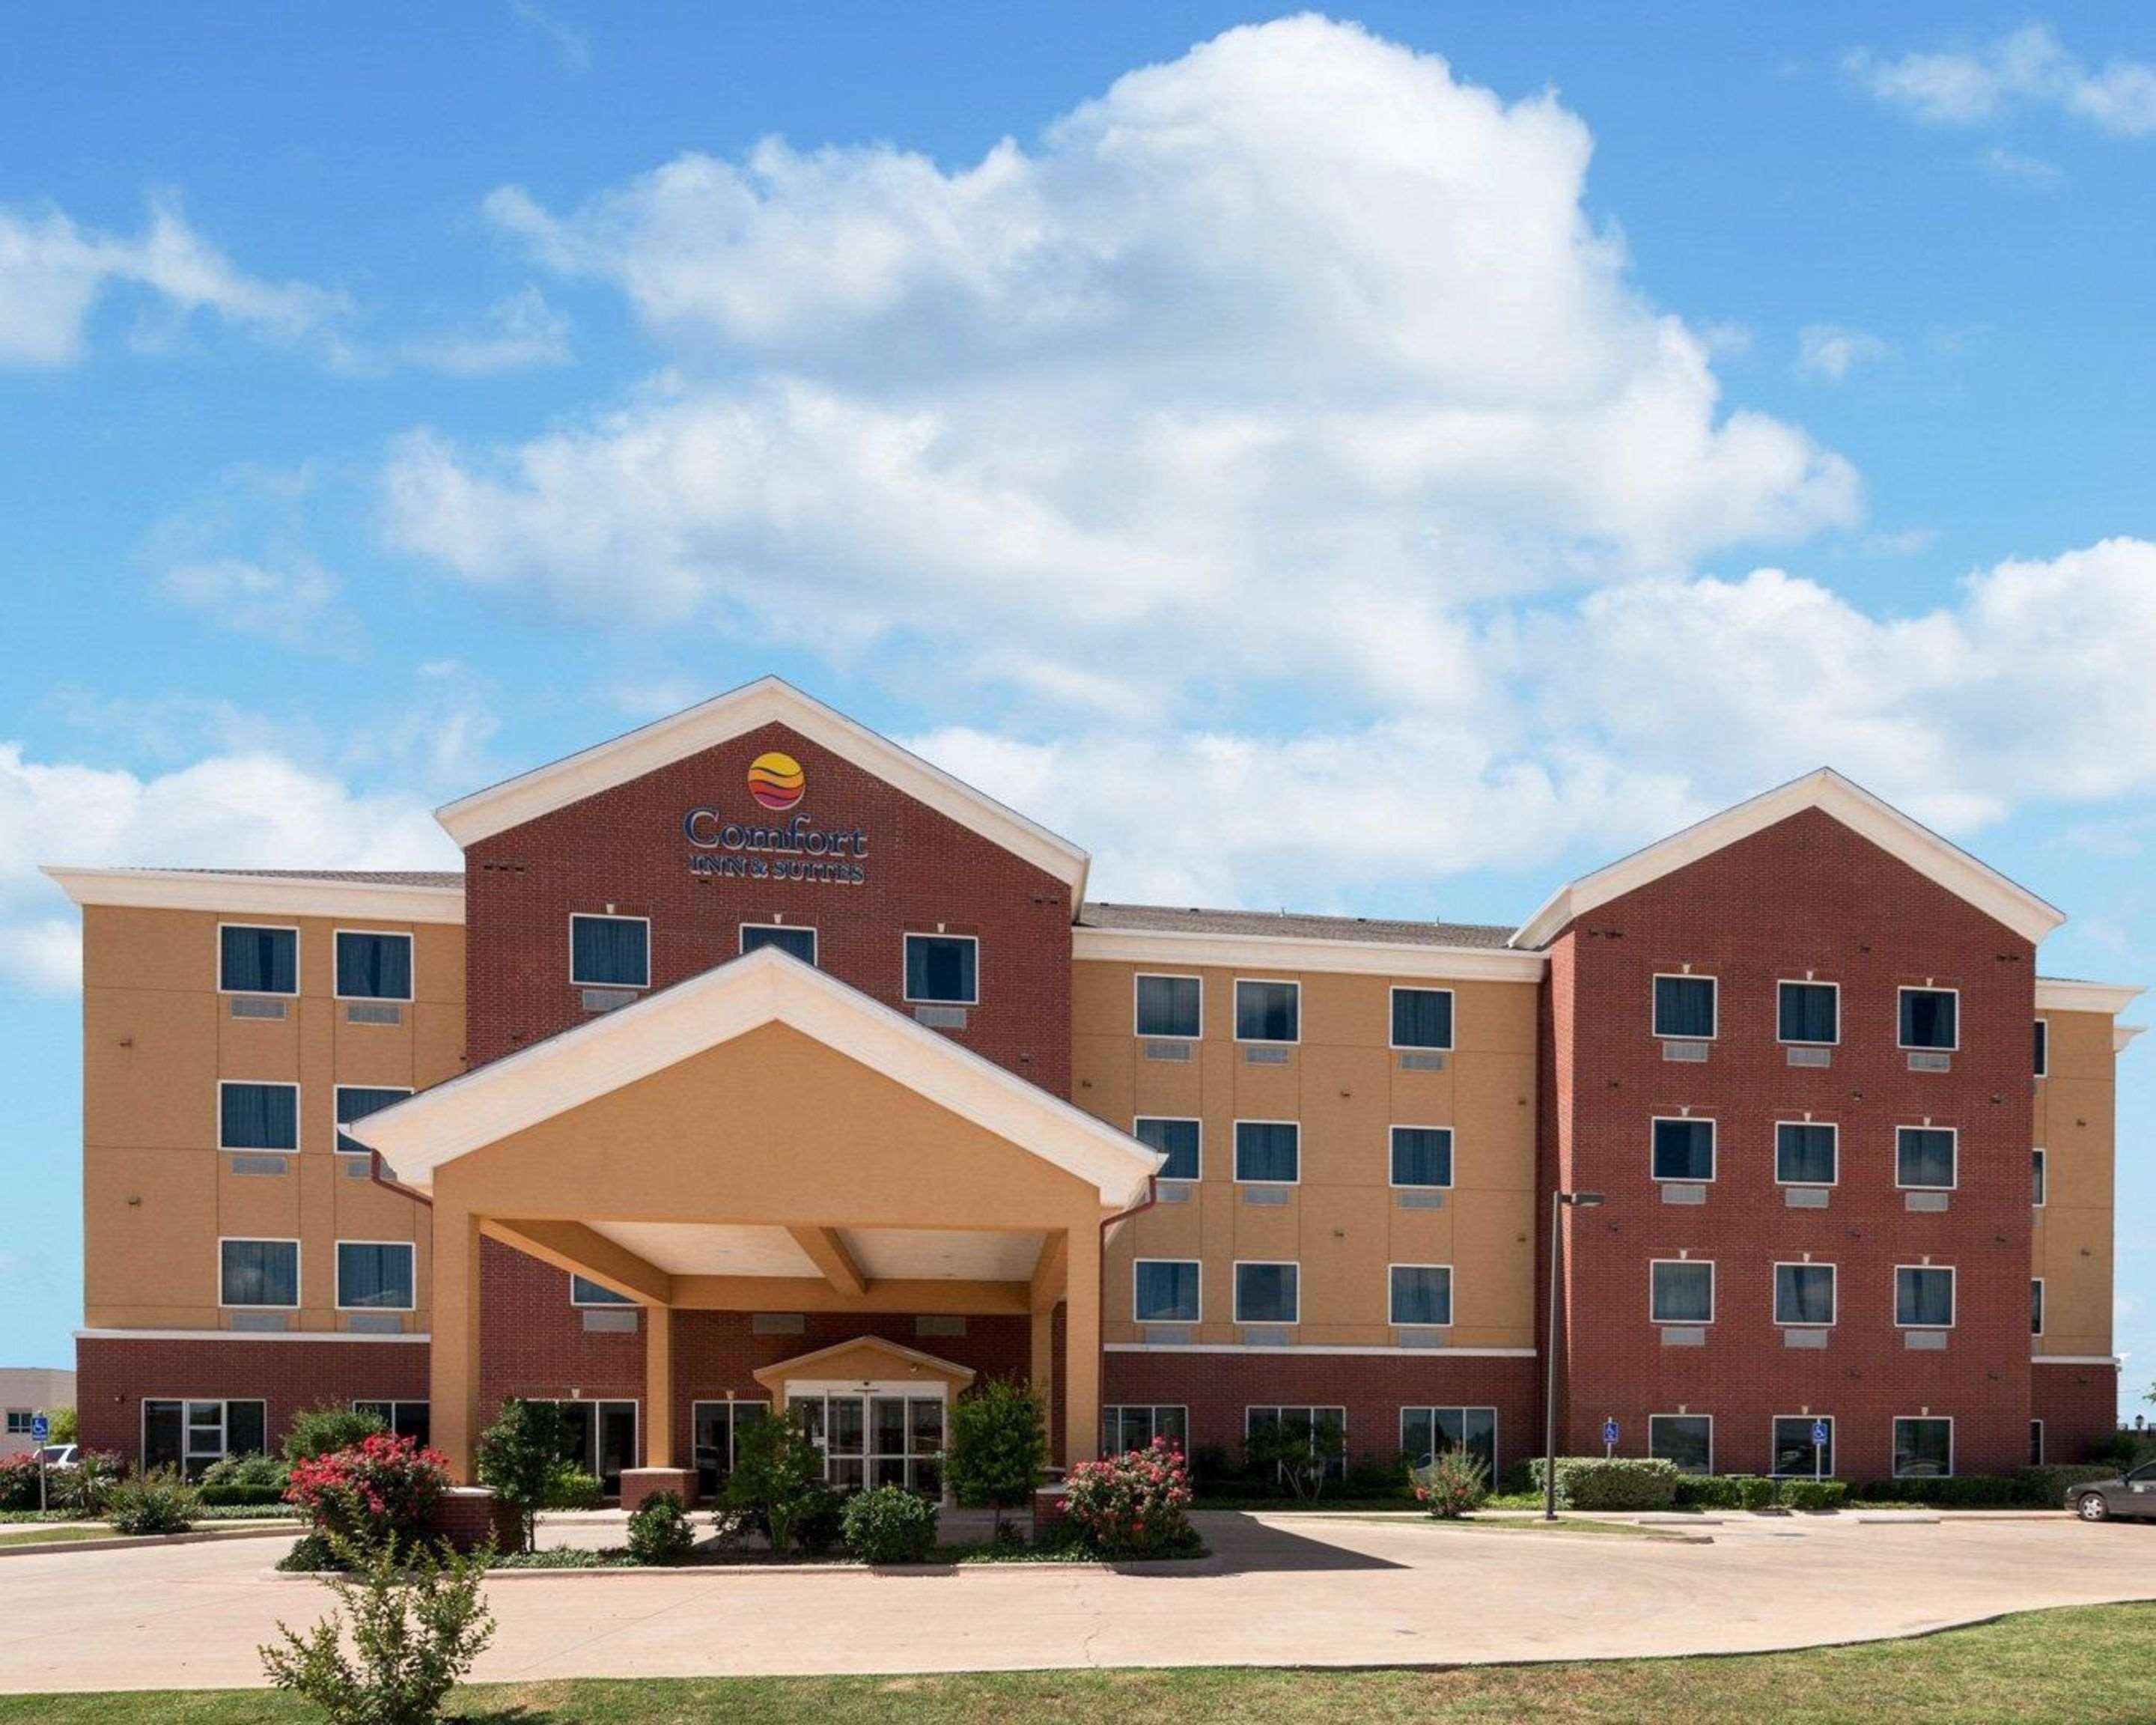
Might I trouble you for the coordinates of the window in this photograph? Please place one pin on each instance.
(1686, 1441)
(1308, 1423)
(1684, 1150)
(1684, 1008)
(1928, 1017)
(374, 1276)
(1268, 1151)
(1425, 1432)
(406, 1419)
(610, 951)
(1266, 1294)
(1923, 1449)
(2036, 1307)
(18, 1421)
(944, 969)
(1924, 1157)
(717, 1428)
(257, 1116)
(1422, 1156)
(599, 1438)
(583, 1291)
(259, 1272)
(1808, 1012)
(1422, 1018)
(2036, 1179)
(1680, 1291)
(1131, 1427)
(1164, 1291)
(257, 961)
(1169, 1006)
(190, 1435)
(2043, 1048)
(356, 1101)
(1421, 1294)
(1923, 1297)
(2035, 1443)
(1177, 1140)
(1268, 1011)
(373, 967)
(1805, 1153)
(1803, 1294)
(875, 1440)
(791, 939)
(1795, 1451)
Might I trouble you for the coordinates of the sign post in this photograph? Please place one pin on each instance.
(1818, 1449)
(1609, 1438)
(40, 1429)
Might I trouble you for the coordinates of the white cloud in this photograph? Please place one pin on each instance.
(1828, 353)
(240, 810)
(2026, 67)
(1297, 314)
(2030, 171)
(517, 334)
(294, 605)
(54, 272)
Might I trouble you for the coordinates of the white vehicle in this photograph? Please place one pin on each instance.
(57, 1456)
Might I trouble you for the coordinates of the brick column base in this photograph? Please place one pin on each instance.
(467, 1516)
(1047, 1509)
(639, 1483)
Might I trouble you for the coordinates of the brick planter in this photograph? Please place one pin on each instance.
(640, 1483)
(467, 1516)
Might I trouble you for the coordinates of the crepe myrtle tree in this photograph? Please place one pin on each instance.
(517, 1458)
(998, 1446)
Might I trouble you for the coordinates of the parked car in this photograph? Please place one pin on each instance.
(59, 1454)
(2133, 1493)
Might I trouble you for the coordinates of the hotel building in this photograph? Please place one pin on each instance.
(753, 1061)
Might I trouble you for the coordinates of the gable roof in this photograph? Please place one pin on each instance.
(768, 700)
(766, 987)
(1826, 790)
(774, 1377)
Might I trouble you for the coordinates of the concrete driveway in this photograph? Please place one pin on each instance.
(1280, 1590)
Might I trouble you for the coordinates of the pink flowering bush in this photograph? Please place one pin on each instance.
(1450, 1484)
(383, 1489)
(1131, 1505)
(18, 1482)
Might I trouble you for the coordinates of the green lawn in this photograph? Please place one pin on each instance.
(52, 1534)
(2090, 1663)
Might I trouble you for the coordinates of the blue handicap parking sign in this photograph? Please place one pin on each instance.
(1610, 1431)
(40, 1427)
(1819, 1431)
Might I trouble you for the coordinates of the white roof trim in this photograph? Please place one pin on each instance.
(2057, 995)
(1855, 807)
(1320, 1351)
(260, 894)
(419, 1337)
(2073, 1360)
(765, 987)
(1391, 958)
(768, 700)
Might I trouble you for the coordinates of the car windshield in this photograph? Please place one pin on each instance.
(2146, 1471)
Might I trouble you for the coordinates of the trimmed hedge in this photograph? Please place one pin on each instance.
(1813, 1494)
(240, 1496)
(2047, 1487)
(1956, 1492)
(1610, 1483)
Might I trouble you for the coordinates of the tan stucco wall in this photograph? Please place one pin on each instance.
(2075, 1128)
(158, 1194)
(1342, 1083)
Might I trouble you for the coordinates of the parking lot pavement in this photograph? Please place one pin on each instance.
(1280, 1590)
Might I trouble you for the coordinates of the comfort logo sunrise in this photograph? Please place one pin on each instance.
(776, 780)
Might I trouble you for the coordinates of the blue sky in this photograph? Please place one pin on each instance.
(1555, 425)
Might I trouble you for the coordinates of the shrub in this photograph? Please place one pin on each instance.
(416, 1627)
(1451, 1483)
(1378, 1477)
(1710, 1490)
(518, 1457)
(778, 1477)
(1611, 1482)
(60, 1427)
(381, 1493)
(659, 1530)
(1757, 1490)
(1131, 1505)
(999, 1445)
(322, 1430)
(1959, 1491)
(240, 1496)
(823, 1523)
(572, 1488)
(18, 1482)
(86, 1488)
(2046, 1487)
(1813, 1494)
(1288, 1455)
(310, 1553)
(253, 1469)
(890, 1525)
(159, 1502)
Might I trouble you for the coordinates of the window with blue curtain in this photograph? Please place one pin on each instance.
(377, 1275)
(1166, 1290)
(1169, 1006)
(1266, 1294)
(1928, 1017)
(1680, 1291)
(1422, 1018)
(942, 969)
(1684, 1007)
(1804, 1293)
(257, 1116)
(1177, 1140)
(1923, 1449)
(610, 951)
(1924, 1157)
(258, 961)
(1267, 1150)
(356, 1101)
(1421, 1294)
(259, 1272)
(1684, 1150)
(2043, 1049)
(1810, 1012)
(1805, 1153)
(373, 967)
(1426, 1431)
(1923, 1297)
(797, 942)
(1422, 1156)
(1268, 1011)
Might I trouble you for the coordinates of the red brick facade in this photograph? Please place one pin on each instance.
(2079, 1407)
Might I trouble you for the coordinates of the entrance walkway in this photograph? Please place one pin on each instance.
(1280, 1590)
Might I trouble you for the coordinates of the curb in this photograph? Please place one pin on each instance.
(122, 1541)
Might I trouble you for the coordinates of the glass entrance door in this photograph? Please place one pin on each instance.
(601, 1440)
(876, 1440)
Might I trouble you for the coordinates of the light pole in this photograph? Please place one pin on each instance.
(1586, 1201)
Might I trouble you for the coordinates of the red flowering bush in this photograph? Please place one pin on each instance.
(1451, 1483)
(383, 1488)
(18, 1482)
(1131, 1505)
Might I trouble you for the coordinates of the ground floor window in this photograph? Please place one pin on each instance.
(408, 1419)
(1424, 1431)
(1794, 1452)
(876, 1440)
(601, 1439)
(1685, 1440)
(2035, 1443)
(1306, 1422)
(191, 1434)
(716, 1427)
(18, 1421)
(1923, 1449)
(1133, 1427)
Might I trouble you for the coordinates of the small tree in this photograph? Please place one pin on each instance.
(1451, 1483)
(516, 1458)
(778, 1475)
(325, 1430)
(660, 1530)
(998, 1446)
(1302, 1460)
(60, 1424)
(417, 1625)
